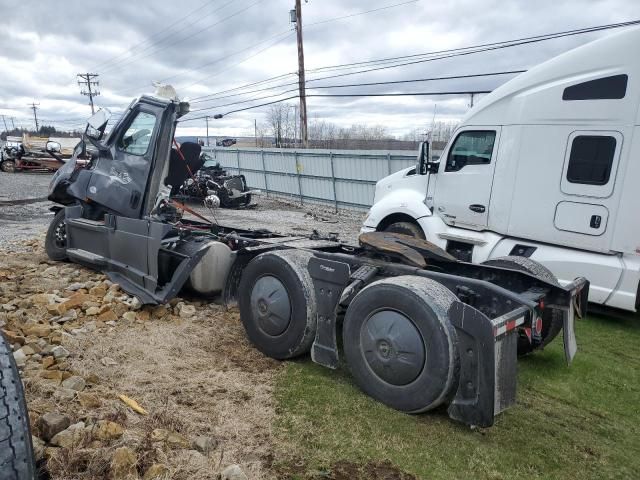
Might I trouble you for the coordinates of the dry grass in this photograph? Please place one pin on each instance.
(195, 377)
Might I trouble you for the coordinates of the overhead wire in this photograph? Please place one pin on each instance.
(181, 40)
(403, 94)
(147, 40)
(455, 51)
(393, 82)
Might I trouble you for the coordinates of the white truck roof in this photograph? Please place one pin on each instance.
(536, 96)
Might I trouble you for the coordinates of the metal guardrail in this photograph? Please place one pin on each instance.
(342, 178)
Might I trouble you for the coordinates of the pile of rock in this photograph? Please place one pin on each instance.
(44, 309)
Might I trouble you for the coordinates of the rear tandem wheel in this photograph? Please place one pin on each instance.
(399, 344)
(278, 304)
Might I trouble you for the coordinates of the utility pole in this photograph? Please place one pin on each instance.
(88, 82)
(471, 105)
(12, 124)
(255, 130)
(301, 80)
(207, 120)
(34, 107)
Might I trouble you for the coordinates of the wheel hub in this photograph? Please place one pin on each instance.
(60, 234)
(271, 305)
(393, 347)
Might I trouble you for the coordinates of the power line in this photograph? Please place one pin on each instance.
(106, 62)
(286, 33)
(181, 40)
(542, 37)
(405, 94)
(392, 82)
(452, 77)
(460, 51)
(344, 17)
(477, 50)
(220, 72)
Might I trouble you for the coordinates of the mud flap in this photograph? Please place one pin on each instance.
(488, 364)
(329, 280)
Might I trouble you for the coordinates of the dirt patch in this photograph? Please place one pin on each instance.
(344, 470)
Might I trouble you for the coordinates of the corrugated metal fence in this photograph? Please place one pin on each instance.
(342, 178)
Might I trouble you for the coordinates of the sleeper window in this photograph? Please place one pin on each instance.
(591, 159)
(137, 137)
(607, 88)
(471, 148)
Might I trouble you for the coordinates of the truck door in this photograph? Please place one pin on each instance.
(120, 182)
(465, 178)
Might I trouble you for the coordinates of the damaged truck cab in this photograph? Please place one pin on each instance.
(419, 328)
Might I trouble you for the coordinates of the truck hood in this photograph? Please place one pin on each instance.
(387, 185)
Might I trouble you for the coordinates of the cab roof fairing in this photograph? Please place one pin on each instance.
(542, 86)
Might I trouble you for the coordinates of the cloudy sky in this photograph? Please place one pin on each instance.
(208, 47)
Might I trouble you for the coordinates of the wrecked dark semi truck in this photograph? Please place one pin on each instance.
(419, 328)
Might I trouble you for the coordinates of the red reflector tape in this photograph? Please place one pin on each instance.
(507, 326)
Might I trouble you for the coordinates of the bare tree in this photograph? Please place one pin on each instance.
(281, 120)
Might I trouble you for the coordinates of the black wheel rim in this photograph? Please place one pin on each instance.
(60, 235)
(271, 305)
(392, 347)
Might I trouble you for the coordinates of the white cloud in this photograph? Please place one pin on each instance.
(43, 45)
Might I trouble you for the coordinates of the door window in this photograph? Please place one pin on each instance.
(137, 137)
(471, 148)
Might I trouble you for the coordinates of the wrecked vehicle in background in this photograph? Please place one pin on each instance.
(226, 142)
(419, 328)
(36, 153)
(212, 179)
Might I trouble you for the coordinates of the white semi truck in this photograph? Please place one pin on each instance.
(547, 167)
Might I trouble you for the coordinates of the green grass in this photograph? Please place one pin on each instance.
(581, 421)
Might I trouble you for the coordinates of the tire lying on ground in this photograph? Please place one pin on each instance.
(16, 451)
(551, 319)
(278, 304)
(55, 243)
(8, 166)
(399, 344)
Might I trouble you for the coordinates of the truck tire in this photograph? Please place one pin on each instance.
(278, 304)
(551, 319)
(406, 228)
(8, 166)
(399, 344)
(55, 243)
(16, 451)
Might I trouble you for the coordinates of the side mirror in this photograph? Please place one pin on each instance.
(432, 167)
(53, 147)
(97, 124)
(423, 158)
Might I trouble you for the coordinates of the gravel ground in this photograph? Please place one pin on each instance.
(24, 210)
(22, 216)
(291, 218)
